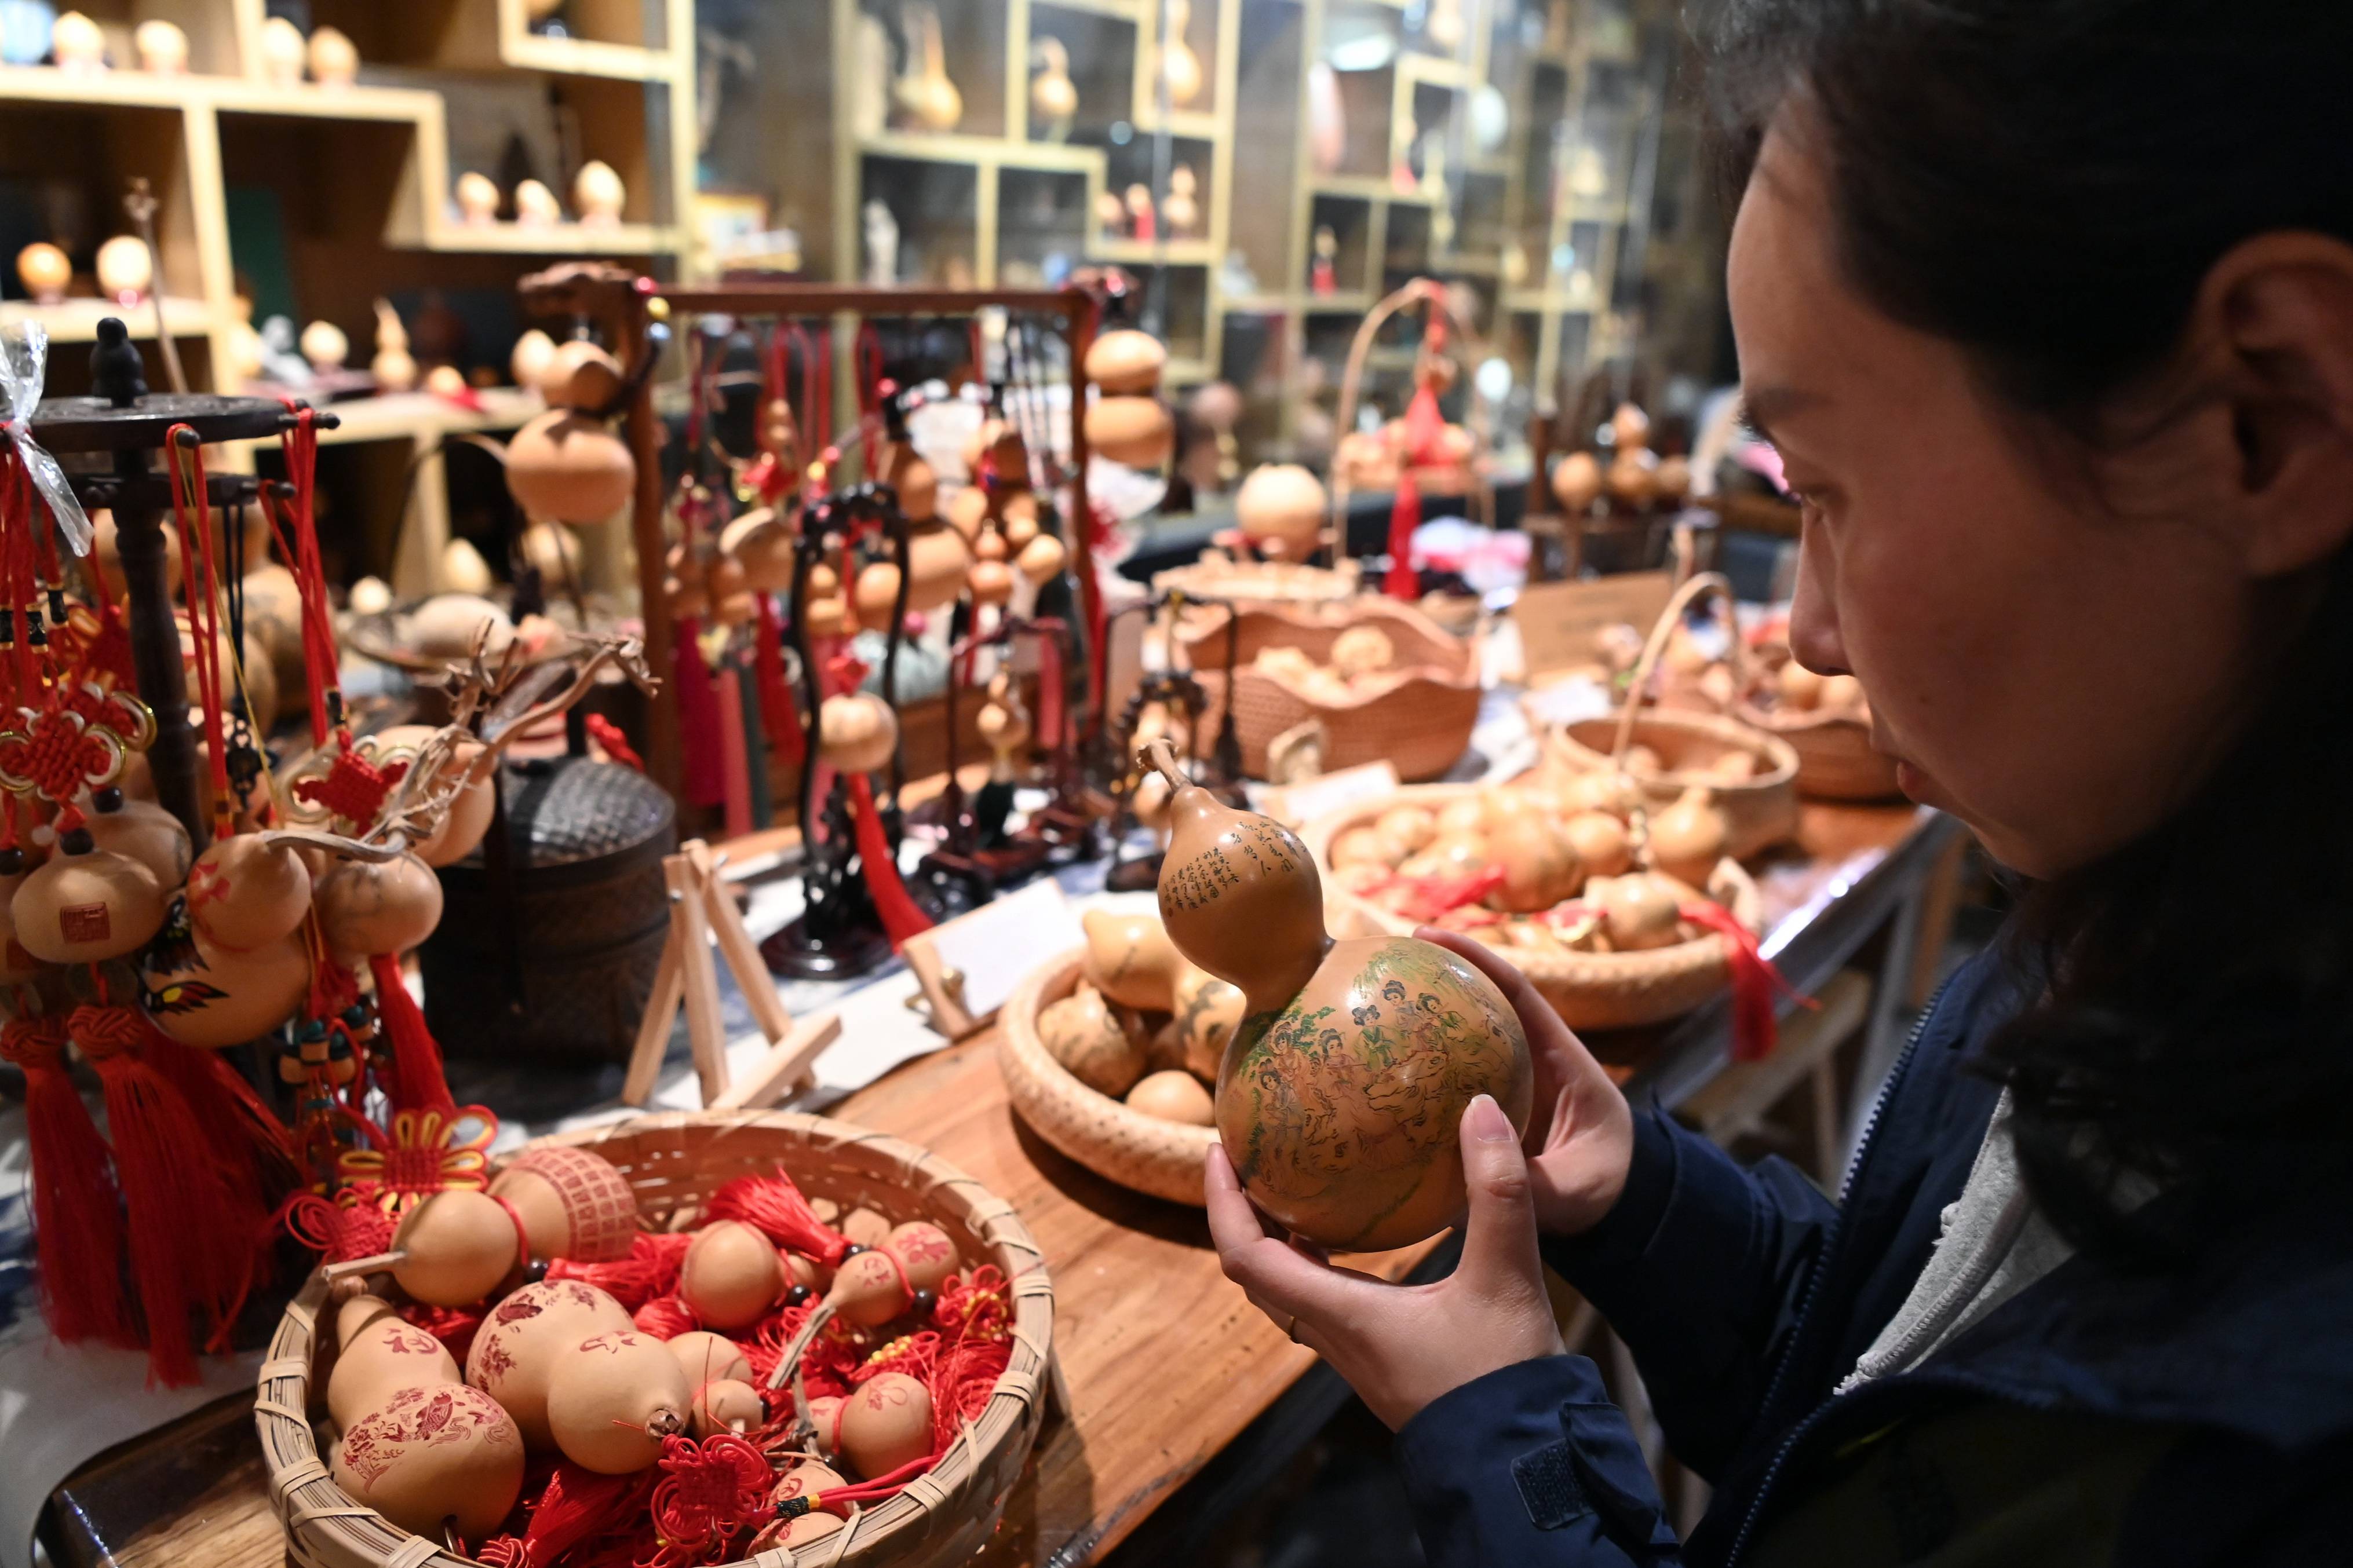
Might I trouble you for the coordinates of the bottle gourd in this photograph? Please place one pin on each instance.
(1340, 1094)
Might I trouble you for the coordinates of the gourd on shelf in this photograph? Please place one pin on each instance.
(1339, 1095)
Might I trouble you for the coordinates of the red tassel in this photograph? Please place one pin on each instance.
(901, 918)
(417, 1083)
(773, 1206)
(578, 1506)
(77, 1212)
(1403, 582)
(665, 1317)
(182, 1213)
(1427, 898)
(1051, 692)
(1756, 1029)
(705, 776)
(778, 714)
(650, 1270)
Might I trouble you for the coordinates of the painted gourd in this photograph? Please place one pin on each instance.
(1339, 1096)
(1130, 961)
(710, 1358)
(574, 1203)
(213, 997)
(431, 1456)
(1082, 1034)
(383, 1357)
(885, 1424)
(613, 1397)
(926, 1254)
(516, 1349)
(248, 891)
(1208, 1012)
(87, 904)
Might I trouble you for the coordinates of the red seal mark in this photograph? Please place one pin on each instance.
(86, 923)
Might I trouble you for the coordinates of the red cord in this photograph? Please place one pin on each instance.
(191, 514)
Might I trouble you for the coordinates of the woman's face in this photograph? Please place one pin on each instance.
(2046, 668)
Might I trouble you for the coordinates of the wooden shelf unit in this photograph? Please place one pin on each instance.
(365, 174)
(1494, 218)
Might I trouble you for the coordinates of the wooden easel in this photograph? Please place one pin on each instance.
(699, 910)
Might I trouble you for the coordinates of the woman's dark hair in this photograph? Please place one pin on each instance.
(2047, 182)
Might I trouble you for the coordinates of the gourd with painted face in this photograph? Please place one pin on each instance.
(1340, 1094)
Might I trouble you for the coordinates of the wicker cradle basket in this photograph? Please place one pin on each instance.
(1588, 990)
(1151, 1155)
(1835, 760)
(1418, 715)
(680, 1158)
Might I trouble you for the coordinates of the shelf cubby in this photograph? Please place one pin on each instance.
(936, 206)
(1350, 219)
(210, 25)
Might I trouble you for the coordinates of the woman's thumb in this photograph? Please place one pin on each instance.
(1499, 1242)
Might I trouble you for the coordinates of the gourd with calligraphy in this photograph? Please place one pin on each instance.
(1340, 1094)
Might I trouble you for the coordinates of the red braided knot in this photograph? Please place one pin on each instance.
(710, 1493)
(353, 788)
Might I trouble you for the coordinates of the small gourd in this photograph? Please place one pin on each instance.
(1800, 690)
(732, 1274)
(1358, 845)
(1340, 1095)
(710, 1358)
(1282, 507)
(1539, 865)
(807, 1479)
(1576, 482)
(1137, 431)
(885, 1424)
(143, 830)
(1404, 830)
(1690, 837)
(906, 472)
(725, 1404)
(1843, 694)
(1600, 841)
(1208, 1012)
(212, 997)
(1173, 1095)
(1639, 911)
(1130, 961)
(574, 1203)
(433, 1458)
(598, 194)
(613, 1397)
(925, 1252)
(990, 582)
(864, 1227)
(515, 1351)
(1126, 362)
(394, 367)
(454, 1247)
(1082, 1034)
(87, 904)
(857, 731)
(1042, 559)
(876, 592)
(567, 466)
(936, 559)
(371, 906)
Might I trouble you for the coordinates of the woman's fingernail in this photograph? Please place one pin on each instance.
(1488, 1123)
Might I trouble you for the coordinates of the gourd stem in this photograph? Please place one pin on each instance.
(1161, 753)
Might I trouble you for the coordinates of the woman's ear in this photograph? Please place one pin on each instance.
(2280, 308)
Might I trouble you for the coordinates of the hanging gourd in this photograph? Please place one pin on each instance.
(1339, 1097)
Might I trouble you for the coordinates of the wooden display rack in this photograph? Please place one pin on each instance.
(365, 173)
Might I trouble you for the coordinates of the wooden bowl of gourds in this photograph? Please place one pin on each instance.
(1110, 1052)
(1824, 719)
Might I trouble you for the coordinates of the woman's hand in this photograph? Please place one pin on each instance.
(1580, 1134)
(1402, 1346)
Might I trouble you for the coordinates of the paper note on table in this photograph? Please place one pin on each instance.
(1301, 804)
(997, 944)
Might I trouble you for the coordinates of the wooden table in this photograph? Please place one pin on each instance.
(1177, 1383)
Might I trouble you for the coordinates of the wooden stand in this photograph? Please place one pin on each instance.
(699, 910)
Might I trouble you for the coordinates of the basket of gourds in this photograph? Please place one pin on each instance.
(1618, 915)
(1379, 678)
(1110, 1052)
(1669, 754)
(665, 1286)
(1824, 719)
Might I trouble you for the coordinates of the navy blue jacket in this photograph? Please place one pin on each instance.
(1746, 1296)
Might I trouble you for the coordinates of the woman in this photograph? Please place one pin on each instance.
(2048, 305)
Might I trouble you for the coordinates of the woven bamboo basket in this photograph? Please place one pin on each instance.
(1835, 760)
(1221, 579)
(671, 1161)
(1152, 1155)
(1588, 990)
(1761, 810)
(1418, 715)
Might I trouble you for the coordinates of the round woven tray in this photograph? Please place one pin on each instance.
(1761, 810)
(1418, 716)
(1145, 1152)
(1588, 990)
(680, 1158)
